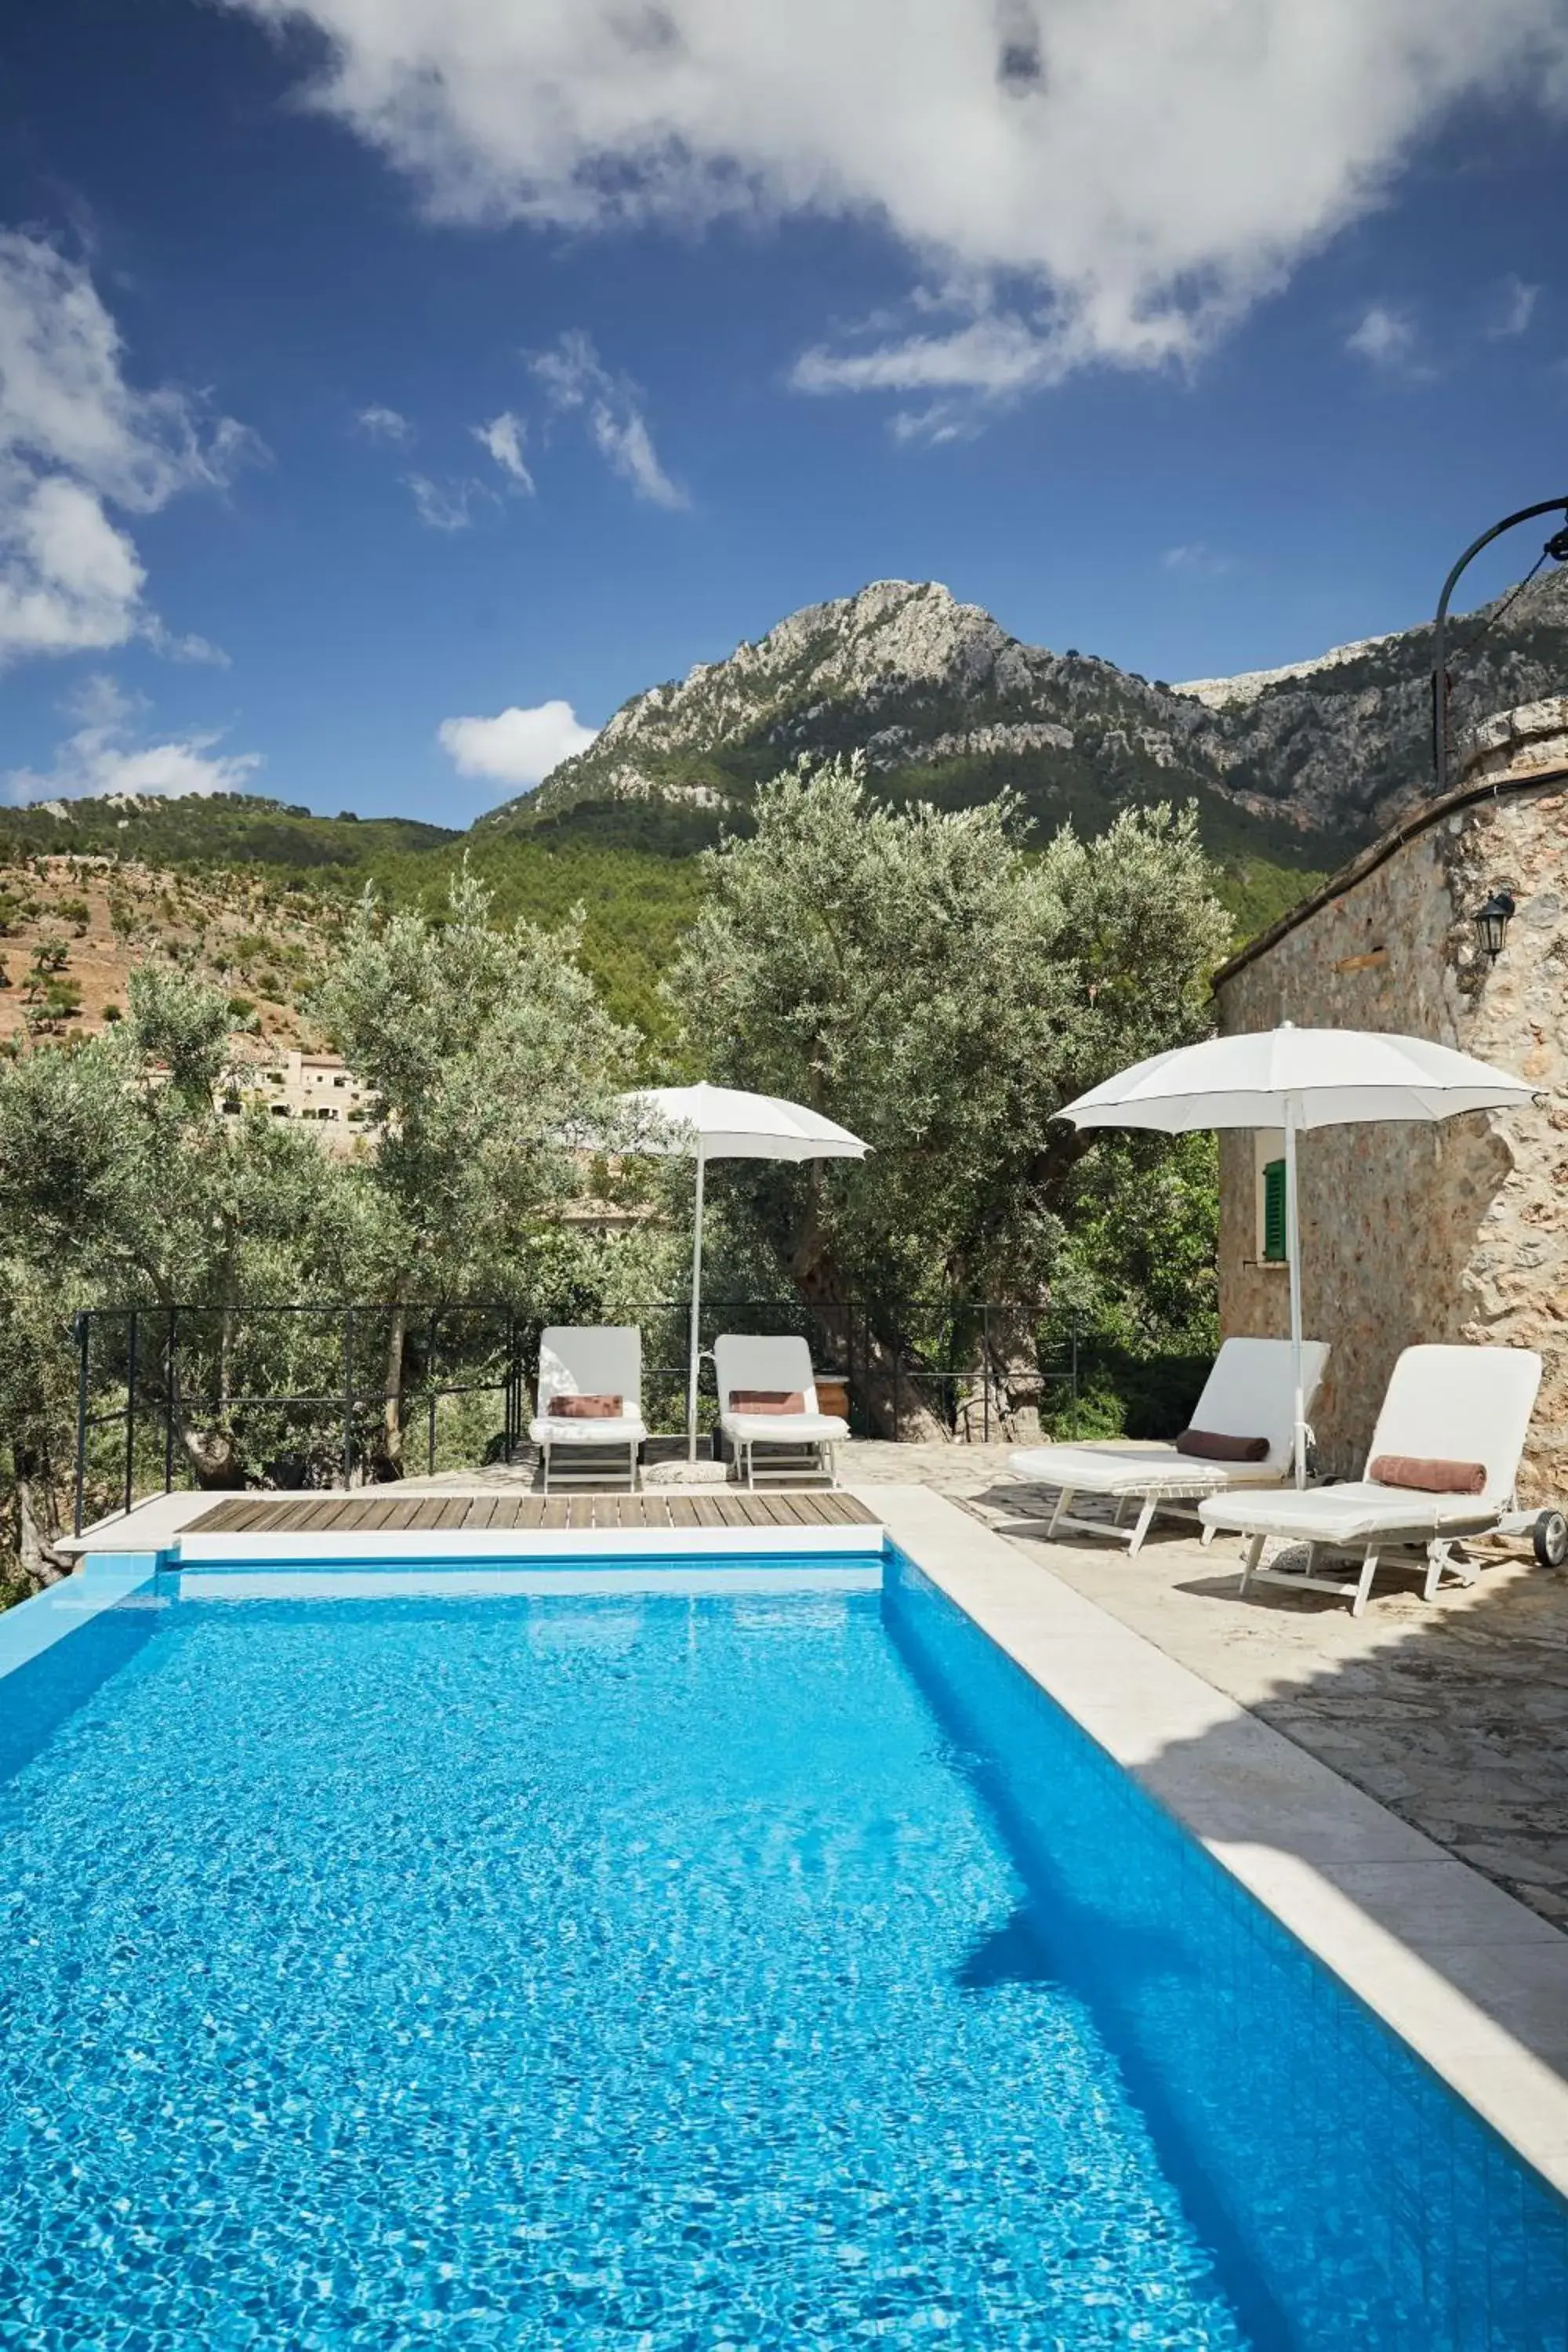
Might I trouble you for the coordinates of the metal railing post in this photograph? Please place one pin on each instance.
(83, 1342)
(986, 1364)
(130, 1411)
(348, 1393)
(169, 1405)
(430, 1384)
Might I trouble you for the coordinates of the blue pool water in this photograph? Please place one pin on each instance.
(661, 1973)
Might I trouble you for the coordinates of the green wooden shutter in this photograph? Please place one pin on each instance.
(1274, 1210)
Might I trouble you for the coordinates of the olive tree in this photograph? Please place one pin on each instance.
(493, 1069)
(926, 979)
(123, 1183)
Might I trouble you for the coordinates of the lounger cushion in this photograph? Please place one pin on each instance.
(1460, 1404)
(585, 1408)
(784, 1428)
(1352, 1513)
(767, 1401)
(1427, 1473)
(628, 1429)
(599, 1363)
(1133, 1469)
(1210, 1445)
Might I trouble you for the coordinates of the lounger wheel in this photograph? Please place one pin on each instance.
(1548, 1538)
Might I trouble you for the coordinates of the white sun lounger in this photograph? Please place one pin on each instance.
(1448, 1404)
(1249, 1392)
(801, 1443)
(604, 1359)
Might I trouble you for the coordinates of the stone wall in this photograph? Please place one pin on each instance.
(1456, 1231)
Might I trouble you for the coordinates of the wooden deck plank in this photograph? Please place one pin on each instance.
(224, 1517)
(369, 1516)
(424, 1516)
(608, 1512)
(850, 1513)
(307, 1519)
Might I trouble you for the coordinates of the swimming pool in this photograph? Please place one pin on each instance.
(676, 1968)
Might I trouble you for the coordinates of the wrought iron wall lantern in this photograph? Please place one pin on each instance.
(1491, 922)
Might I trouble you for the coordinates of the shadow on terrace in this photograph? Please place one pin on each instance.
(1453, 1714)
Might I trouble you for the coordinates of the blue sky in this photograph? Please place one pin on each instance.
(1200, 351)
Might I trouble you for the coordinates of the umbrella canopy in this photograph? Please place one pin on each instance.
(1296, 1078)
(1320, 1077)
(722, 1123)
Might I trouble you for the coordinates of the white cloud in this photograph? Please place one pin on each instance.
(1115, 179)
(1386, 338)
(444, 506)
(76, 440)
(574, 377)
(503, 438)
(1516, 308)
(187, 648)
(101, 757)
(517, 747)
(1197, 561)
(378, 424)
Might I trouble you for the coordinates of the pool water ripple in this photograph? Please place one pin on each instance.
(637, 1974)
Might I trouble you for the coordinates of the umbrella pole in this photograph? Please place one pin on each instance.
(696, 1313)
(1293, 1252)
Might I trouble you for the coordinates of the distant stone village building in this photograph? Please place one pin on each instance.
(1452, 1232)
(318, 1087)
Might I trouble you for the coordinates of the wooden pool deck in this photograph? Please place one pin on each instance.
(657, 1514)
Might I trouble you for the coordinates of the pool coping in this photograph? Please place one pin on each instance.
(162, 1525)
(428, 1546)
(1475, 1983)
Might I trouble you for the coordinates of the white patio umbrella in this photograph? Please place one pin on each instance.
(721, 1123)
(1297, 1078)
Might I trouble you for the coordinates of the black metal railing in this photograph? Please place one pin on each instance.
(321, 1393)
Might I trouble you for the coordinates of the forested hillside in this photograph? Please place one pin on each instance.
(252, 896)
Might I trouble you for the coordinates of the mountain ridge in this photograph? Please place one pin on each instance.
(939, 696)
(1291, 770)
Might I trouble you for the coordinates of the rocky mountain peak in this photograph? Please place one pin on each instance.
(938, 695)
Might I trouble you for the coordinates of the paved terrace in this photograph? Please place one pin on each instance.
(1453, 1713)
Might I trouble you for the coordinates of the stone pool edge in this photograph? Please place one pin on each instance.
(1473, 1981)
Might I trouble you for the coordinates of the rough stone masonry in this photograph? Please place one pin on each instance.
(1456, 1231)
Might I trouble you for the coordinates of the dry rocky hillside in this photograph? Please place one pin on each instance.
(73, 928)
